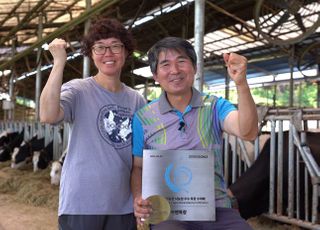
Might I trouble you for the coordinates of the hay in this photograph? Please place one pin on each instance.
(32, 188)
(4, 164)
(263, 223)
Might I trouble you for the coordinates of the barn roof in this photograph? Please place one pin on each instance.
(273, 35)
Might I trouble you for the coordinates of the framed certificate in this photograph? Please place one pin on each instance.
(185, 178)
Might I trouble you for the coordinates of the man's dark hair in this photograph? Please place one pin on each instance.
(175, 43)
(107, 28)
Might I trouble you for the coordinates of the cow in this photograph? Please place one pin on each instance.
(12, 140)
(42, 158)
(22, 155)
(7, 136)
(56, 168)
(3, 137)
(251, 189)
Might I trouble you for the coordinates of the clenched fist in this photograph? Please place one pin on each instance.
(237, 67)
(57, 49)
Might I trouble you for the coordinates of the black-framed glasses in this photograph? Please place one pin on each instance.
(101, 49)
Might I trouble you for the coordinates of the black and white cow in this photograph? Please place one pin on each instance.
(22, 155)
(251, 189)
(6, 137)
(11, 141)
(42, 158)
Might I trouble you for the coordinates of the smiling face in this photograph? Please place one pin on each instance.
(109, 64)
(175, 72)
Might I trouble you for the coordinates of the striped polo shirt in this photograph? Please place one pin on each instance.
(159, 126)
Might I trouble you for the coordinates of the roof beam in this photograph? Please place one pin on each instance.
(11, 12)
(94, 10)
(244, 23)
(50, 23)
(66, 9)
(23, 22)
(32, 26)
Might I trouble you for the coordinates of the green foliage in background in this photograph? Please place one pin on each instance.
(25, 102)
(305, 95)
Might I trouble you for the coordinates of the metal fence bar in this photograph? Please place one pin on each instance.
(48, 136)
(244, 153)
(280, 170)
(297, 184)
(239, 157)
(288, 117)
(272, 166)
(234, 161)
(315, 202)
(290, 173)
(306, 155)
(226, 157)
(256, 148)
(306, 195)
(57, 143)
(305, 110)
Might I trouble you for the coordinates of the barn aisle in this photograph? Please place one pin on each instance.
(19, 216)
(27, 199)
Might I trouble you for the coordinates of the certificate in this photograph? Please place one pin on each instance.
(185, 178)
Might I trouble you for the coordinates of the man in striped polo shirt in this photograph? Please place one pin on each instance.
(184, 118)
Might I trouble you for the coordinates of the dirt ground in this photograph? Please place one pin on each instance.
(29, 202)
(18, 216)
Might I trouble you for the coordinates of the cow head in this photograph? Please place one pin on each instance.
(20, 156)
(55, 172)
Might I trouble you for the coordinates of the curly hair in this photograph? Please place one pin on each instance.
(107, 28)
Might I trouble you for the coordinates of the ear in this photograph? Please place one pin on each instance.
(226, 57)
(155, 77)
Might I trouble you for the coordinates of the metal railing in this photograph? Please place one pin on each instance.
(58, 134)
(300, 161)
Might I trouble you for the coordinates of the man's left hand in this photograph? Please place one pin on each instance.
(237, 67)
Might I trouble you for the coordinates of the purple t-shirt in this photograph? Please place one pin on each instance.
(96, 173)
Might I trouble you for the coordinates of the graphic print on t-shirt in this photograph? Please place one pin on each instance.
(114, 124)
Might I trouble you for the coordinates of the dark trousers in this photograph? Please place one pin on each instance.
(97, 222)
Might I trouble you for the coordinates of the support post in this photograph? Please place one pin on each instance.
(86, 60)
(291, 88)
(11, 103)
(39, 73)
(198, 41)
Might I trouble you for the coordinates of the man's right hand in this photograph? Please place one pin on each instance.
(142, 209)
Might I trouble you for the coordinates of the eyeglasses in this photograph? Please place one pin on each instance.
(101, 49)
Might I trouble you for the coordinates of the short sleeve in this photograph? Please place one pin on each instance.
(224, 107)
(68, 97)
(137, 137)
